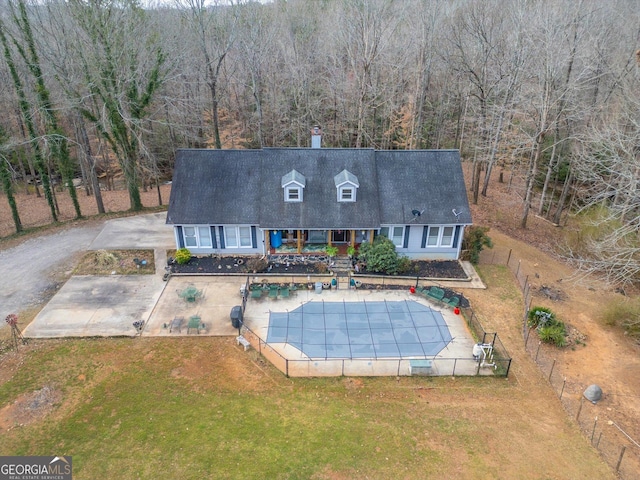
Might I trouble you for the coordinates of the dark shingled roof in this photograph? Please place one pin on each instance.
(216, 187)
(429, 181)
(320, 208)
(220, 187)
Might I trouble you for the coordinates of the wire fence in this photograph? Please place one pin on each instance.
(615, 445)
(497, 363)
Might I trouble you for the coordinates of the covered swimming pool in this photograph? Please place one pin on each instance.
(376, 329)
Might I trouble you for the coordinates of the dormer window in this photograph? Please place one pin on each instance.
(293, 184)
(346, 194)
(293, 194)
(347, 186)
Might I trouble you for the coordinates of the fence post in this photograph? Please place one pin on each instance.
(620, 458)
(551, 371)
(536, 359)
(563, 384)
(455, 360)
(508, 368)
(595, 422)
(518, 269)
(508, 257)
(579, 410)
(286, 367)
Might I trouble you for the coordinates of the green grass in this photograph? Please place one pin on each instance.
(124, 414)
(168, 408)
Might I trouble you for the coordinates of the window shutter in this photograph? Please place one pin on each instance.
(214, 243)
(423, 244)
(405, 242)
(221, 230)
(254, 240)
(456, 237)
(180, 237)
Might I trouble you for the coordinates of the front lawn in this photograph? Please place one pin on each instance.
(203, 408)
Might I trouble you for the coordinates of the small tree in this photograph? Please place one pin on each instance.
(381, 256)
(475, 239)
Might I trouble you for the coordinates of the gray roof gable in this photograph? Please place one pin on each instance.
(293, 177)
(222, 187)
(345, 176)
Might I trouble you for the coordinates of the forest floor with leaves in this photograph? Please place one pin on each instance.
(607, 357)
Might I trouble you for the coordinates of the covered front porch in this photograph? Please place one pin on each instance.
(313, 241)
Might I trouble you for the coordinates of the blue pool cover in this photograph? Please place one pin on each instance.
(404, 329)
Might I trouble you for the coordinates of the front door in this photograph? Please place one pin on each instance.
(340, 236)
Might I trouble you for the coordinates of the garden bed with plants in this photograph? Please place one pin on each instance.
(213, 264)
(116, 262)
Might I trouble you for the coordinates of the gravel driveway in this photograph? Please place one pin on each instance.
(34, 270)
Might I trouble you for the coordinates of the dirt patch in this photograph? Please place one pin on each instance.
(116, 262)
(552, 293)
(29, 408)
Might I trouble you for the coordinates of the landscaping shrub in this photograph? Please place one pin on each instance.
(555, 333)
(474, 241)
(380, 256)
(549, 328)
(183, 255)
(539, 316)
(257, 264)
(104, 259)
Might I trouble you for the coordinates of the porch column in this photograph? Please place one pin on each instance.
(299, 241)
(267, 242)
(371, 236)
(353, 238)
(329, 237)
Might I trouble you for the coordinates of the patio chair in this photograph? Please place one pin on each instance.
(435, 293)
(273, 291)
(452, 302)
(284, 292)
(195, 323)
(256, 291)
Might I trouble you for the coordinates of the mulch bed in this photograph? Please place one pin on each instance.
(237, 264)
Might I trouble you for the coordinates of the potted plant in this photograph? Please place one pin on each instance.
(351, 251)
(331, 251)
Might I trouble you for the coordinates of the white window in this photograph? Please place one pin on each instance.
(440, 236)
(245, 236)
(293, 194)
(190, 239)
(395, 234)
(447, 236)
(347, 193)
(237, 237)
(432, 239)
(398, 236)
(230, 237)
(195, 237)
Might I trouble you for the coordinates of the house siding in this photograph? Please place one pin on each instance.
(416, 238)
(218, 241)
(209, 191)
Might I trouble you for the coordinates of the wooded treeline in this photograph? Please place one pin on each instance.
(546, 90)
